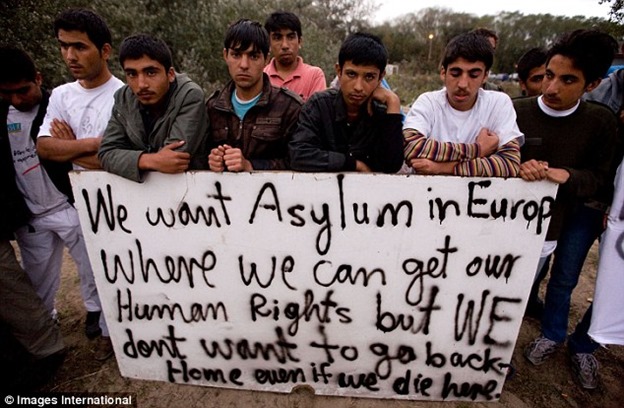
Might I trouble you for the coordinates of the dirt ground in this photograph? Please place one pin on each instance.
(550, 385)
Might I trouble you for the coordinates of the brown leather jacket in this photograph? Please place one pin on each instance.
(264, 132)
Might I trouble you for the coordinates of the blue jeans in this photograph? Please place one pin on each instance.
(579, 341)
(577, 236)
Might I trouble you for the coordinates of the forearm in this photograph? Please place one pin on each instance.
(61, 150)
(89, 162)
(504, 163)
(418, 146)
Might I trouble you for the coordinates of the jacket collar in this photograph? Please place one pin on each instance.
(341, 108)
(224, 100)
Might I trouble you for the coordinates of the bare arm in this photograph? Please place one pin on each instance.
(166, 160)
(62, 146)
(63, 150)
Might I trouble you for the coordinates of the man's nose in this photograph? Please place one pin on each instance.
(463, 81)
(244, 62)
(70, 54)
(142, 81)
(358, 84)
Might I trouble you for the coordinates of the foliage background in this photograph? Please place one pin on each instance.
(194, 31)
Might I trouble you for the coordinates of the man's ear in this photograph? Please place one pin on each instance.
(38, 79)
(171, 74)
(338, 70)
(593, 85)
(225, 53)
(442, 73)
(106, 51)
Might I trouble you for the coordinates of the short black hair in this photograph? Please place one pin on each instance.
(17, 66)
(470, 46)
(363, 49)
(533, 58)
(591, 51)
(283, 19)
(246, 33)
(86, 21)
(138, 45)
(486, 32)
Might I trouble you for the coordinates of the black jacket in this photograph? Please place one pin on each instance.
(325, 141)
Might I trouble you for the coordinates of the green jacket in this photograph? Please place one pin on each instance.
(184, 119)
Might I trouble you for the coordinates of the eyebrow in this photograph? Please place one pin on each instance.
(470, 71)
(147, 68)
(21, 89)
(71, 44)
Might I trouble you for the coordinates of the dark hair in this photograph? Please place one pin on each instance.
(85, 21)
(245, 33)
(470, 46)
(16, 66)
(486, 32)
(591, 51)
(138, 45)
(363, 49)
(533, 58)
(283, 19)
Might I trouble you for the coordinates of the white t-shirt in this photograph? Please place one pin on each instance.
(40, 194)
(87, 111)
(433, 116)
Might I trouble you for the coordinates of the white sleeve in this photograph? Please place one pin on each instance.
(53, 111)
(504, 119)
(420, 115)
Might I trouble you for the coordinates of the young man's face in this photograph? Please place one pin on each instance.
(533, 84)
(563, 84)
(357, 83)
(82, 57)
(245, 68)
(285, 44)
(462, 80)
(23, 95)
(148, 79)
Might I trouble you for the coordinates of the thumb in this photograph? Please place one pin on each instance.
(174, 145)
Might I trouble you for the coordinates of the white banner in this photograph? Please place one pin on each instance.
(378, 286)
(607, 323)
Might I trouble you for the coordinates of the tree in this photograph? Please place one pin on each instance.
(617, 10)
(28, 24)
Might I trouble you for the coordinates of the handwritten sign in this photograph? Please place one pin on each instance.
(379, 286)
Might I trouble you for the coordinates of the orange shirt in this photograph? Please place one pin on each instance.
(304, 80)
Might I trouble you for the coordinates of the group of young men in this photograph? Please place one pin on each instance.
(277, 114)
